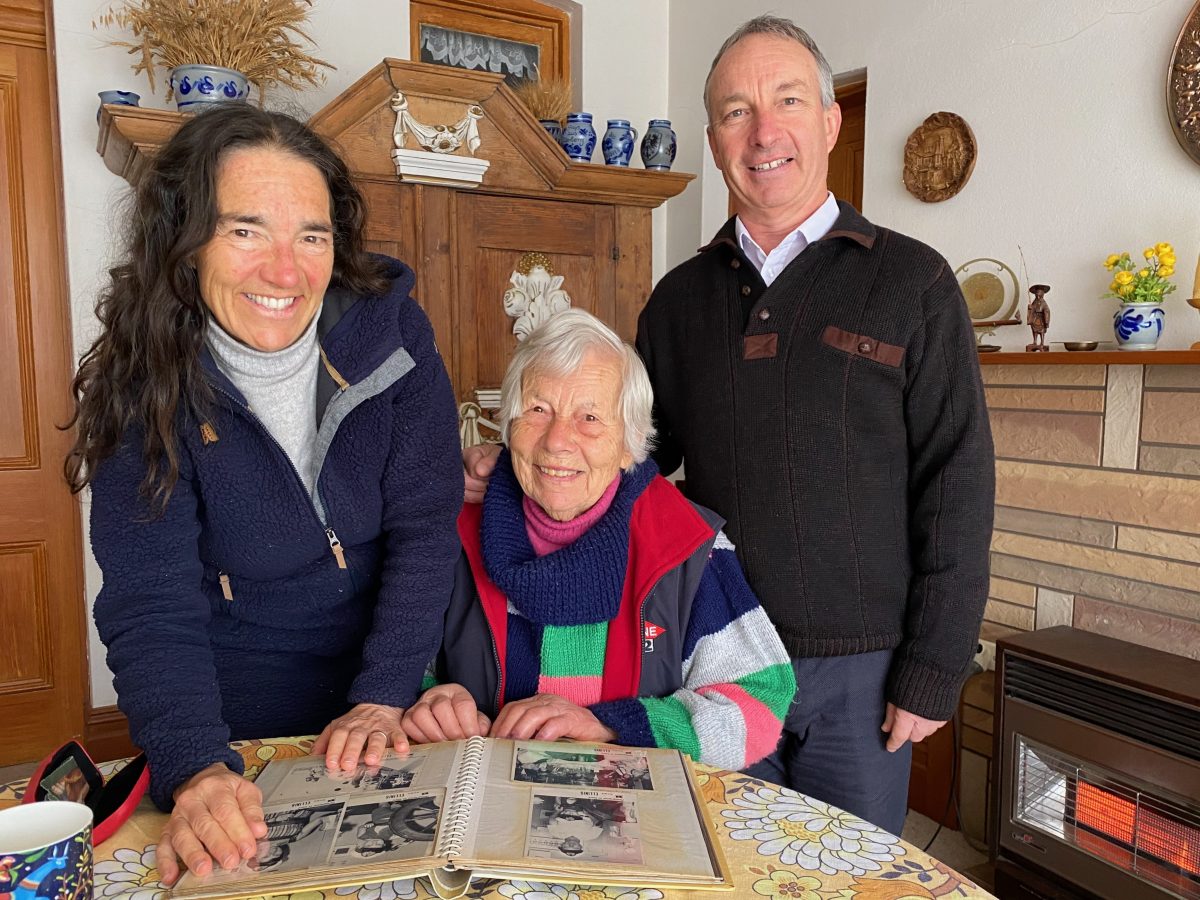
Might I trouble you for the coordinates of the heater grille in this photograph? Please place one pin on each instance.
(1146, 718)
(1109, 817)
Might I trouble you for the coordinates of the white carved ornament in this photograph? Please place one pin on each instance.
(535, 295)
(436, 138)
(436, 162)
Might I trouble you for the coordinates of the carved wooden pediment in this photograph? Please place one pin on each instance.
(524, 159)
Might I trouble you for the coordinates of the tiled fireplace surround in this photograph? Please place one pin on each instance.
(1097, 512)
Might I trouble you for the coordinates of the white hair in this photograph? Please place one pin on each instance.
(557, 347)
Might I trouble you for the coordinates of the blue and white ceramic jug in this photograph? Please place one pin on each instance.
(579, 137)
(658, 146)
(618, 142)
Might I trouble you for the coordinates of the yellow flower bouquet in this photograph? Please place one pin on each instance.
(1147, 283)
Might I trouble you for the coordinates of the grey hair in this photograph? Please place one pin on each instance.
(557, 347)
(776, 26)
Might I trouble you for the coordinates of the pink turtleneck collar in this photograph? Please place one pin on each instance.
(547, 534)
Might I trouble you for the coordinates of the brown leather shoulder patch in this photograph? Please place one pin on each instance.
(760, 346)
(863, 345)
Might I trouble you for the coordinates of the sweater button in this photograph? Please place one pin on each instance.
(735, 263)
(864, 347)
(745, 290)
(764, 314)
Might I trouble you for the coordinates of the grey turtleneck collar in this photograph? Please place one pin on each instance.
(280, 386)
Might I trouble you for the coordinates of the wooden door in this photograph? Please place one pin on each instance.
(578, 240)
(42, 637)
(846, 159)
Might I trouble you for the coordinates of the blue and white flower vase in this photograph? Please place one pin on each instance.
(618, 143)
(117, 98)
(1138, 326)
(196, 86)
(579, 137)
(658, 146)
(553, 128)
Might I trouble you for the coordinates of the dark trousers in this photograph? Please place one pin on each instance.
(832, 747)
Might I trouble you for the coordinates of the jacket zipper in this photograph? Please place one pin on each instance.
(335, 545)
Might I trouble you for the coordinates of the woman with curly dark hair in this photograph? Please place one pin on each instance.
(269, 436)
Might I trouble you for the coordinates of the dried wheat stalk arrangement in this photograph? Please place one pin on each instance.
(262, 39)
(549, 98)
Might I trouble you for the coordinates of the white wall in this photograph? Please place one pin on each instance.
(624, 76)
(1066, 98)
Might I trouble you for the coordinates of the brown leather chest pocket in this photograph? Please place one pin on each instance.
(863, 345)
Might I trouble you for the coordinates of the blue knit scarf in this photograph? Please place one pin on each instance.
(577, 585)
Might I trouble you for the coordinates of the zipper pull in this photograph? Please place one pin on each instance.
(336, 546)
(226, 590)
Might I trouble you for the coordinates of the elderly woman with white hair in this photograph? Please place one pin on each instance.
(592, 600)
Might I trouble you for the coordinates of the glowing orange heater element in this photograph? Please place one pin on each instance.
(1148, 832)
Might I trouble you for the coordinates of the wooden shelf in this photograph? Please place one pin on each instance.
(1093, 358)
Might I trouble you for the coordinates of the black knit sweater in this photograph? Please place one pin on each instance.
(836, 419)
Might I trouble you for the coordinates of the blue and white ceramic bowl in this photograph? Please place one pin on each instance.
(197, 85)
(119, 98)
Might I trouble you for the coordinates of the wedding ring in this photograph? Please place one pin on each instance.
(386, 736)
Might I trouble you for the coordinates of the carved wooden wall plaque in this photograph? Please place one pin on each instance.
(939, 157)
(1183, 85)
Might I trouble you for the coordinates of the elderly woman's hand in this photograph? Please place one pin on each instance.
(548, 717)
(446, 712)
(478, 463)
(218, 817)
(368, 729)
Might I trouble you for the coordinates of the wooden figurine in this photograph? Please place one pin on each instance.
(1037, 315)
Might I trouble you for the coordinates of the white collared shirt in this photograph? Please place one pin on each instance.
(812, 229)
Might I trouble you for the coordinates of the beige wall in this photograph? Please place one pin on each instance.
(1097, 501)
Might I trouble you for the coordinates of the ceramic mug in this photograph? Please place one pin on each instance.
(120, 98)
(619, 141)
(579, 137)
(48, 848)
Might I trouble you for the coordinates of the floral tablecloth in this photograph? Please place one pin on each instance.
(778, 843)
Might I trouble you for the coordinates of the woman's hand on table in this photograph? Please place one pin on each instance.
(367, 731)
(446, 712)
(548, 717)
(218, 817)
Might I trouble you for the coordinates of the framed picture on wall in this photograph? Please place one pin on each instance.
(519, 39)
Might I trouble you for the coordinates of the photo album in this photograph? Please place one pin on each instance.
(481, 808)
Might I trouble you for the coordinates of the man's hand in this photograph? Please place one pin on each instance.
(901, 726)
(218, 818)
(478, 462)
(444, 713)
(368, 729)
(548, 717)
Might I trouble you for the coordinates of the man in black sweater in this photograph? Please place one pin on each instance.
(818, 377)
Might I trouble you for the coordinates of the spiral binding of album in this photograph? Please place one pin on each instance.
(458, 808)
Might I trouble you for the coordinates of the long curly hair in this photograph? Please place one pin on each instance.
(145, 365)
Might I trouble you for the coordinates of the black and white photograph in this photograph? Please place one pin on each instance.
(613, 769)
(390, 828)
(298, 836)
(516, 60)
(312, 779)
(589, 826)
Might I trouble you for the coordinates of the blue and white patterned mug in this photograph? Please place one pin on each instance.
(579, 137)
(119, 98)
(618, 143)
(48, 849)
(658, 146)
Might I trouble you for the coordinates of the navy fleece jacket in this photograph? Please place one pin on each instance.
(301, 640)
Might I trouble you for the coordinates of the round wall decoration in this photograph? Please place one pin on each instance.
(939, 157)
(1183, 85)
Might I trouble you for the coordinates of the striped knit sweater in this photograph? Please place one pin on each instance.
(737, 682)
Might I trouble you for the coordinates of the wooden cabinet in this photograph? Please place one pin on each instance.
(589, 222)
